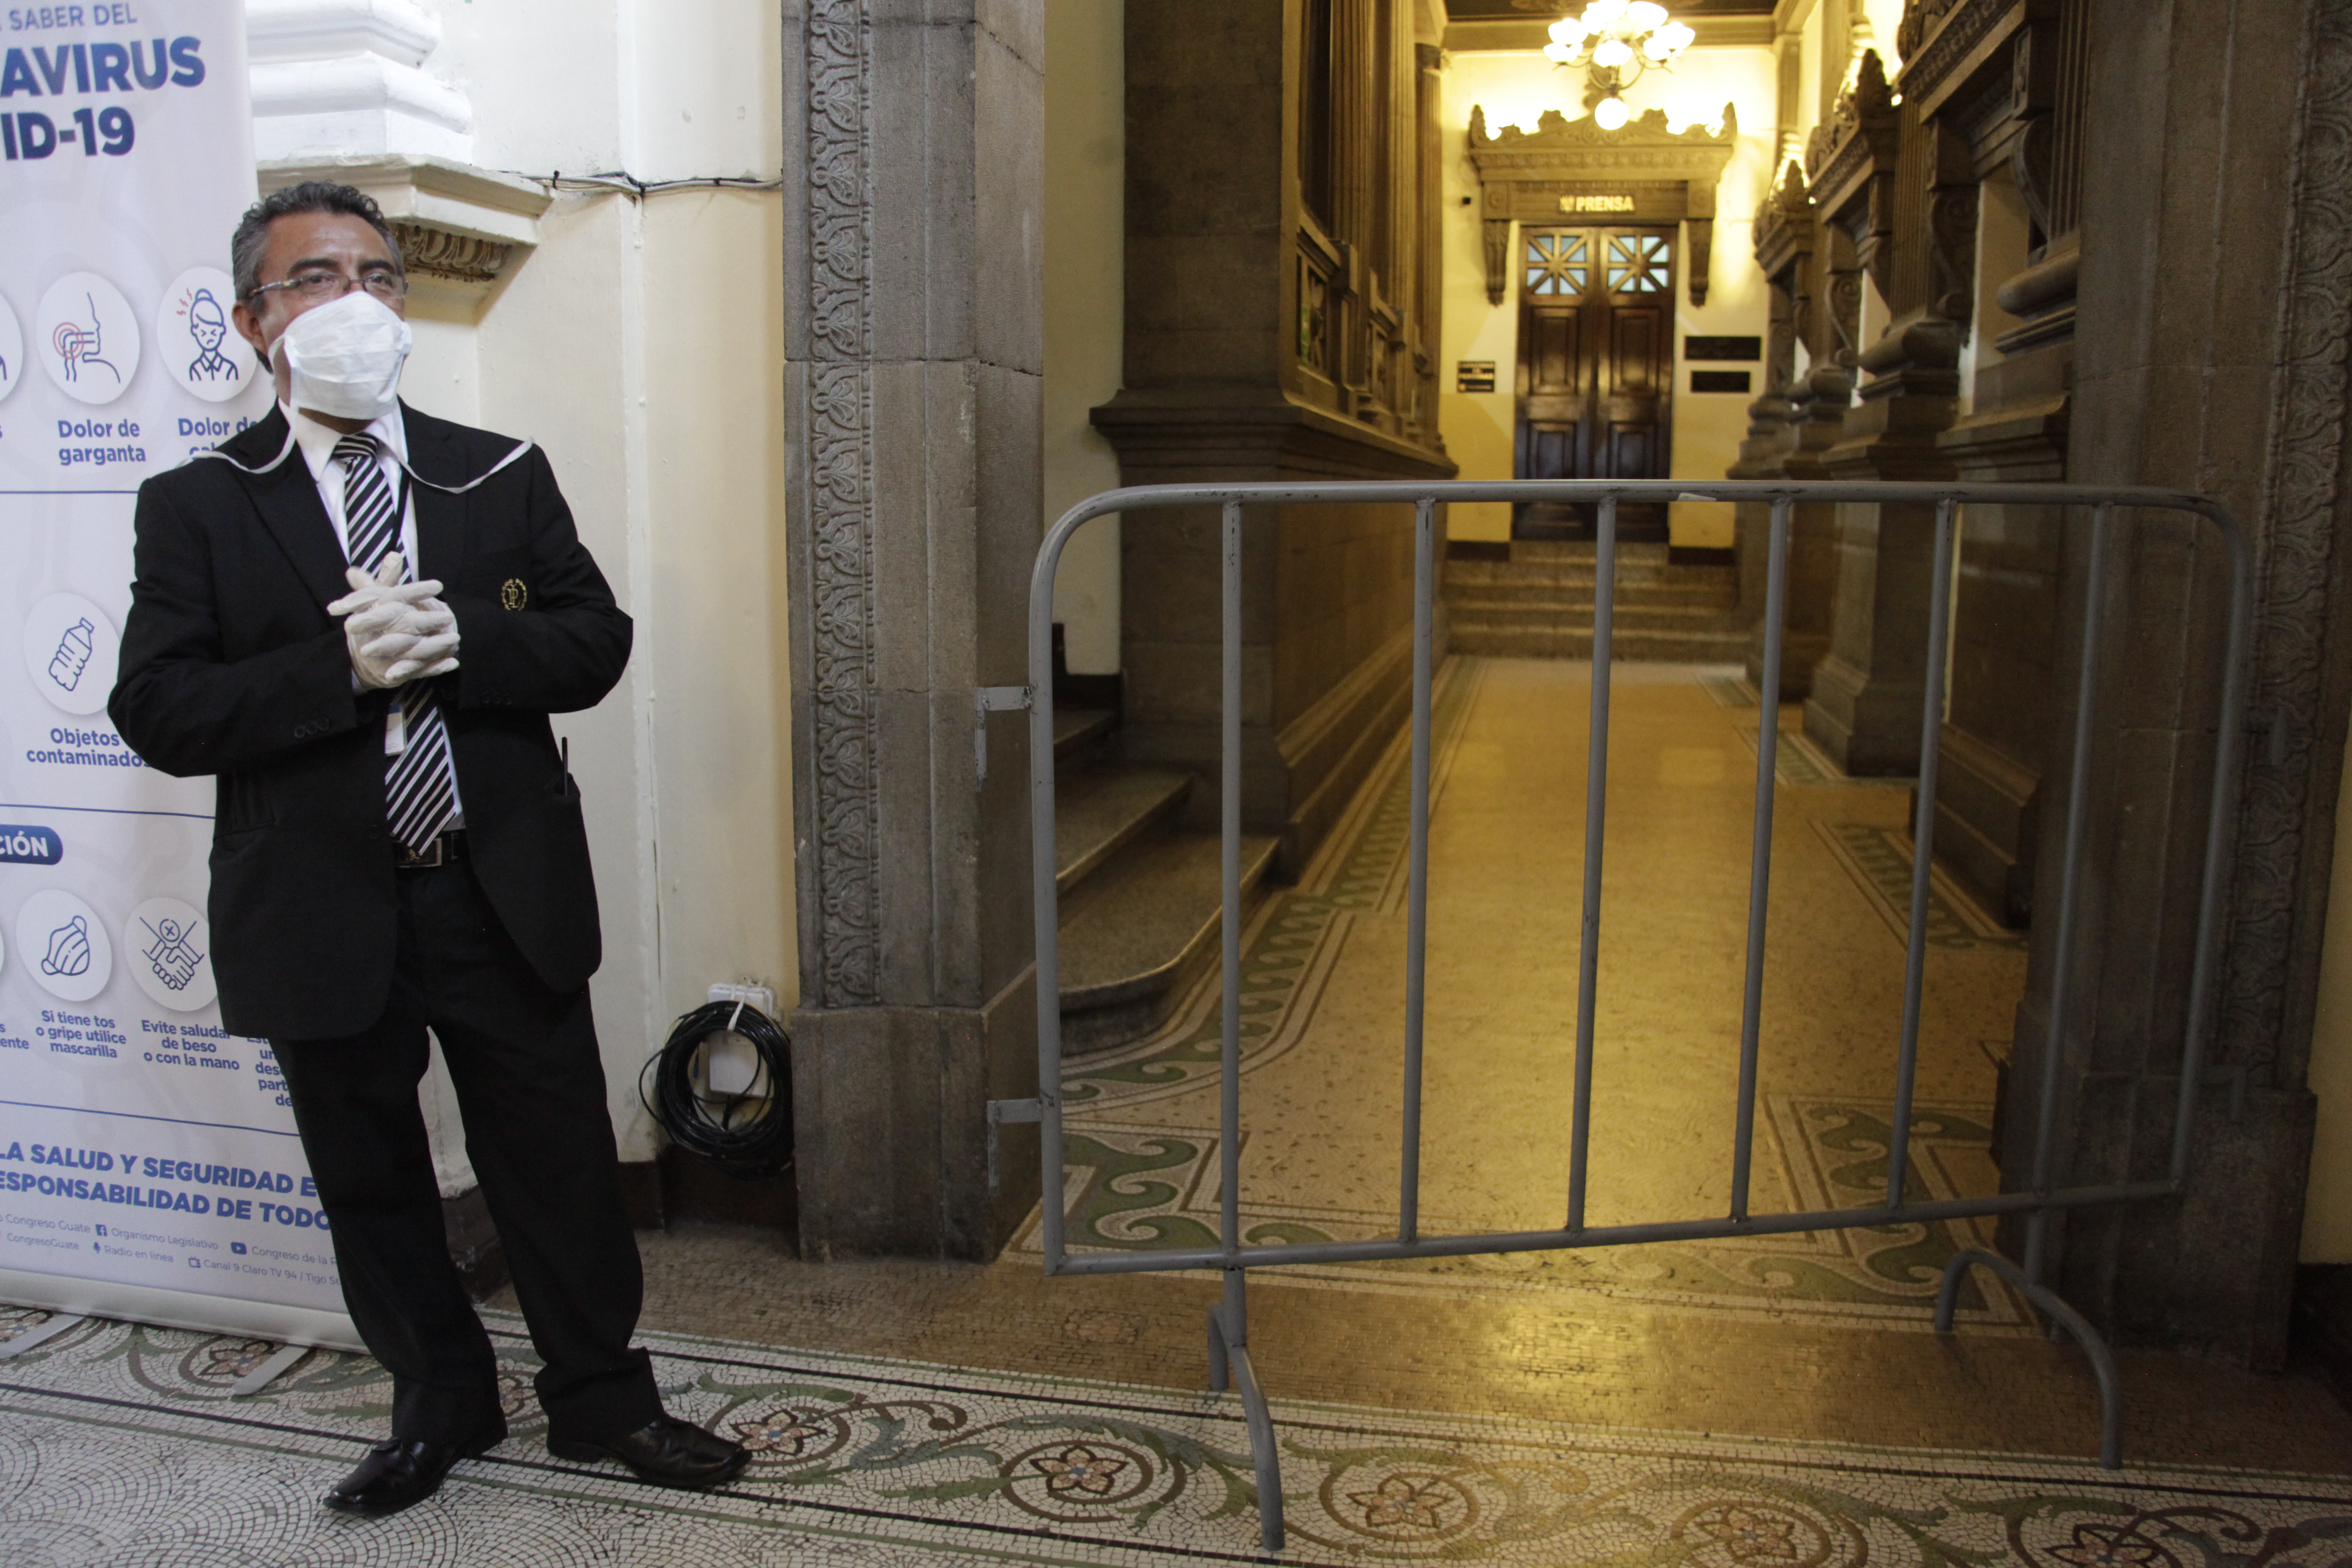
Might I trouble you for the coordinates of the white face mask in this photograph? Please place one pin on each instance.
(344, 357)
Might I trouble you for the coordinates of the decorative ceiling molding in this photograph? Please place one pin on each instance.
(1577, 152)
(1500, 35)
(1560, 148)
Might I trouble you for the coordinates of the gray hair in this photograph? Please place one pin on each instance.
(252, 234)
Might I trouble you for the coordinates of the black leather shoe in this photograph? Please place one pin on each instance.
(668, 1452)
(403, 1472)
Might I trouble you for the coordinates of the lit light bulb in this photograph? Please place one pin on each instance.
(1656, 50)
(1610, 113)
(1603, 13)
(1645, 15)
(1560, 54)
(1676, 37)
(1567, 30)
(1610, 53)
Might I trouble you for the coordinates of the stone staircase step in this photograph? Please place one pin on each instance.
(1550, 641)
(1099, 811)
(1629, 618)
(1711, 596)
(1077, 729)
(1142, 929)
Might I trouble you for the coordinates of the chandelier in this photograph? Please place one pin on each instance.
(1616, 41)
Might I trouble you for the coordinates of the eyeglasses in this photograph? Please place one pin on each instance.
(320, 284)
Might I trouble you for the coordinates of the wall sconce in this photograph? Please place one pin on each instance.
(1616, 41)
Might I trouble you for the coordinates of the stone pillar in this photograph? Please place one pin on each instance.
(2005, 609)
(2210, 131)
(913, 312)
(1865, 707)
(1817, 420)
(1429, 98)
(2011, 559)
(1220, 385)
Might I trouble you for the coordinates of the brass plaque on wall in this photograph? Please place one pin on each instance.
(1474, 375)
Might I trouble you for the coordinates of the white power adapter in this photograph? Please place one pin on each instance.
(729, 1064)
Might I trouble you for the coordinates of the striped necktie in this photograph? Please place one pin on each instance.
(419, 780)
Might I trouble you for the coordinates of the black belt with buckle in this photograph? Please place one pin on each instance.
(447, 850)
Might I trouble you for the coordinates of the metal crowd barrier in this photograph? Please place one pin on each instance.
(1229, 1354)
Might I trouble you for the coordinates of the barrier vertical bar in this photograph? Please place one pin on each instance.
(2078, 776)
(1759, 864)
(2217, 828)
(1596, 804)
(1923, 852)
(1229, 1097)
(1045, 896)
(1416, 939)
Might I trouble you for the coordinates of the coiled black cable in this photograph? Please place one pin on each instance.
(742, 1134)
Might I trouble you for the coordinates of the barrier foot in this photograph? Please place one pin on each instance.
(47, 1332)
(1229, 1351)
(2059, 1315)
(268, 1372)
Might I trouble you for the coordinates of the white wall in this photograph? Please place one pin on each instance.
(1516, 88)
(1086, 217)
(640, 343)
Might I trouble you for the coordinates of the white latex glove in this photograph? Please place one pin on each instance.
(392, 630)
(433, 625)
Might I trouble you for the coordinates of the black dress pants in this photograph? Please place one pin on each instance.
(531, 1088)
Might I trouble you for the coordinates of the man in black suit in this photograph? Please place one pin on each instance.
(359, 618)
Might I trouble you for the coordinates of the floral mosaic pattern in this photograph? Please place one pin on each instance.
(1879, 860)
(1148, 1187)
(123, 1446)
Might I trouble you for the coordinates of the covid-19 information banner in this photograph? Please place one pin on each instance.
(148, 1162)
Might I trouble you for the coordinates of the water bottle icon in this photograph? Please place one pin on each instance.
(72, 658)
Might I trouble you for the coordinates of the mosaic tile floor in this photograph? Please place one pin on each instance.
(1770, 1401)
(1322, 995)
(123, 1446)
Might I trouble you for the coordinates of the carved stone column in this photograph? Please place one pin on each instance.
(1865, 708)
(913, 313)
(2210, 130)
(2011, 559)
(1817, 423)
(1791, 423)
(1429, 98)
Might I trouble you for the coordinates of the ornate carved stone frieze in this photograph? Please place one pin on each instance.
(1784, 229)
(2295, 538)
(1943, 42)
(455, 258)
(840, 415)
(1560, 150)
(1952, 250)
(1849, 166)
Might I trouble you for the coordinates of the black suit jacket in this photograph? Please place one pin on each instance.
(231, 666)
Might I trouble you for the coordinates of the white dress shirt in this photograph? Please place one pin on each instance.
(317, 444)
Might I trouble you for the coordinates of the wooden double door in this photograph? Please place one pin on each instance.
(1595, 383)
